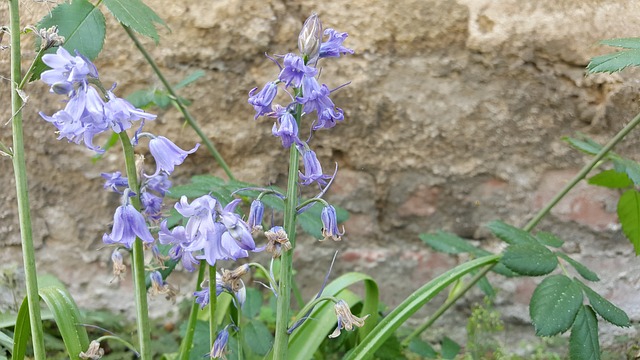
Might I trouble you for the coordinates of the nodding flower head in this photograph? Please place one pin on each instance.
(278, 241)
(128, 224)
(294, 70)
(346, 320)
(333, 47)
(288, 129)
(66, 68)
(219, 349)
(310, 38)
(159, 286)
(118, 265)
(167, 154)
(255, 216)
(312, 169)
(262, 100)
(330, 224)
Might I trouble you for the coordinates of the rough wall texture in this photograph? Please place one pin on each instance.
(454, 117)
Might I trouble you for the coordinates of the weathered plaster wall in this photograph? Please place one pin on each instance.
(454, 117)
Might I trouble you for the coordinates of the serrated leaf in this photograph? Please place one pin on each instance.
(511, 234)
(82, 25)
(632, 169)
(448, 243)
(136, 15)
(605, 308)
(554, 305)
(548, 239)
(627, 43)
(629, 215)
(611, 179)
(585, 145)
(614, 62)
(581, 269)
(529, 259)
(259, 338)
(583, 342)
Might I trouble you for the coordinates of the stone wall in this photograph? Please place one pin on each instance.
(453, 118)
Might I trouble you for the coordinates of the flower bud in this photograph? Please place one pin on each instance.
(310, 38)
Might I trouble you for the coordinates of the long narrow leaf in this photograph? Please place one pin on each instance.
(415, 301)
(22, 332)
(67, 317)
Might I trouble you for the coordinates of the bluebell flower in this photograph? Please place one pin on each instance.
(333, 47)
(151, 205)
(346, 319)
(316, 98)
(159, 183)
(201, 213)
(119, 113)
(277, 241)
(128, 224)
(178, 238)
(118, 265)
(161, 287)
(312, 169)
(114, 181)
(288, 130)
(167, 155)
(310, 38)
(294, 70)
(67, 69)
(219, 349)
(236, 227)
(330, 224)
(202, 297)
(262, 100)
(256, 212)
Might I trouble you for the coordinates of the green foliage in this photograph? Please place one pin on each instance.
(554, 305)
(82, 25)
(529, 259)
(629, 214)
(583, 343)
(161, 97)
(258, 336)
(483, 328)
(604, 308)
(581, 269)
(136, 15)
(548, 239)
(584, 144)
(449, 348)
(511, 234)
(611, 179)
(422, 348)
(617, 61)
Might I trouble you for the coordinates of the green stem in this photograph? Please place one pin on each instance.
(283, 303)
(212, 305)
(25, 78)
(187, 342)
(583, 172)
(22, 188)
(137, 262)
(444, 307)
(174, 97)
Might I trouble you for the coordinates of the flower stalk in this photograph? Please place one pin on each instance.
(137, 259)
(187, 342)
(212, 304)
(22, 189)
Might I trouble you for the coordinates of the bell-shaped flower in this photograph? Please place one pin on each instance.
(219, 349)
(159, 183)
(288, 129)
(119, 113)
(333, 47)
(310, 38)
(167, 154)
(330, 224)
(114, 181)
(294, 70)
(151, 205)
(67, 68)
(262, 100)
(312, 169)
(316, 98)
(128, 224)
(200, 213)
(236, 227)
(178, 238)
(256, 213)
(346, 320)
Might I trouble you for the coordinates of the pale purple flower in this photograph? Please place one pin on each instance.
(262, 100)
(236, 227)
(66, 70)
(119, 113)
(288, 130)
(201, 214)
(312, 169)
(220, 344)
(316, 98)
(333, 47)
(294, 70)
(256, 212)
(330, 224)
(128, 224)
(151, 205)
(167, 154)
(159, 183)
(178, 238)
(114, 181)
(310, 38)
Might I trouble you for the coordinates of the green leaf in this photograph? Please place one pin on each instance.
(252, 304)
(632, 169)
(389, 324)
(189, 79)
(486, 287)
(6, 341)
(585, 145)
(258, 337)
(422, 348)
(510, 234)
(581, 269)
(450, 348)
(529, 259)
(629, 215)
(606, 309)
(82, 25)
(614, 62)
(554, 305)
(448, 243)
(136, 15)
(22, 332)
(141, 98)
(548, 239)
(611, 179)
(583, 342)
(627, 43)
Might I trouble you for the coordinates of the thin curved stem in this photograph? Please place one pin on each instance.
(137, 260)
(174, 97)
(187, 342)
(22, 188)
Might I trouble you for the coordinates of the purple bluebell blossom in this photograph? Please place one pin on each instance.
(167, 154)
(333, 47)
(114, 181)
(256, 212)
(219, 349)
(119, 113)
(312, 169)
(262, 100)
(159, 183)
(294, 70)
(316, 98)
(236, 227)
(201, 213)
(151, 205)
(128, 224)
(288, 130)
(178, 238)
(66, 69)
(330, 224)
